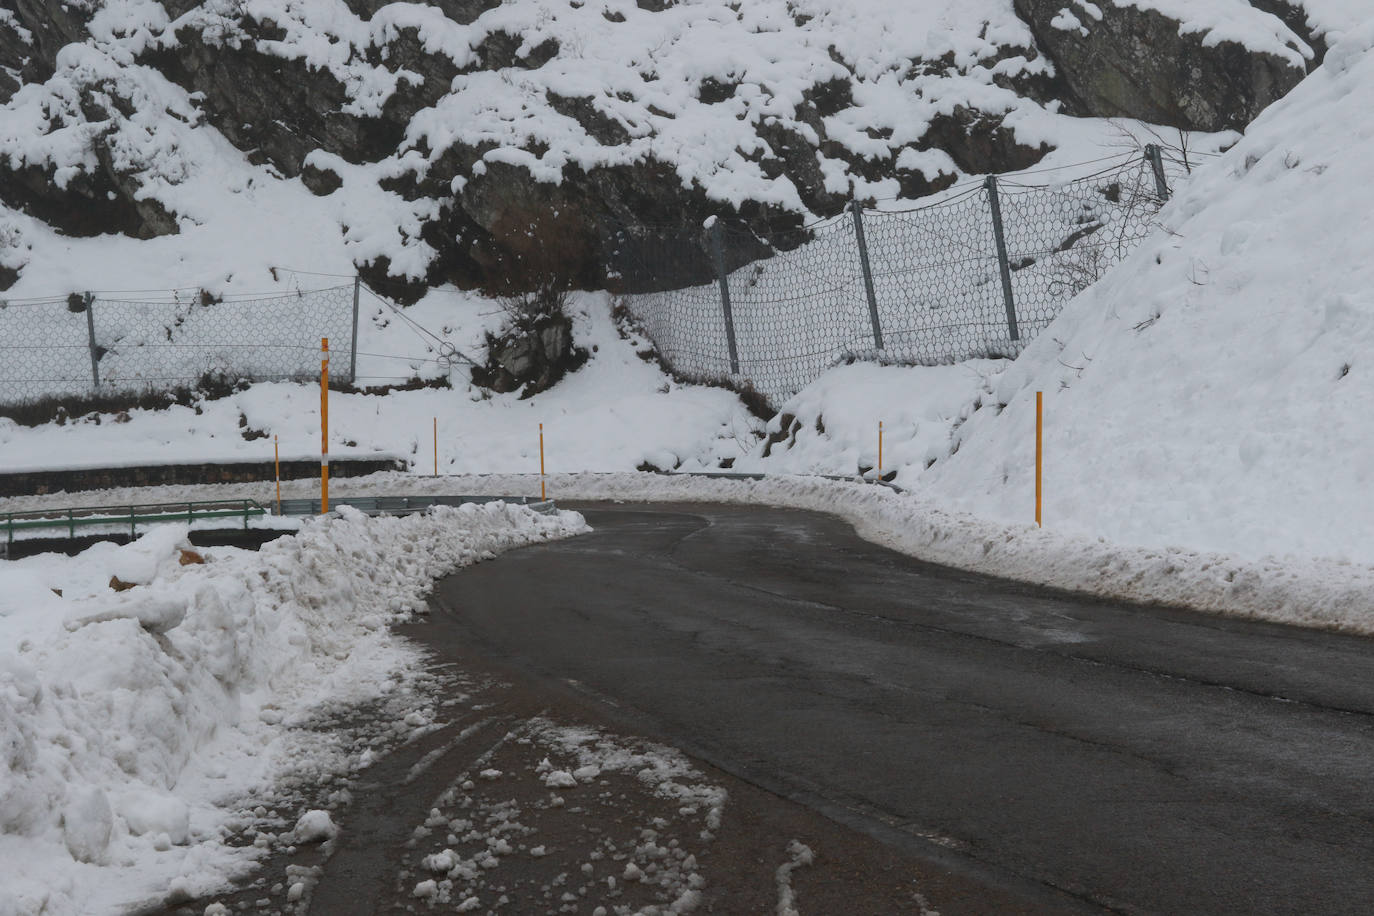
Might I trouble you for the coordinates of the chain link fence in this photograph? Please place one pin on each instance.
(95, 345)
(977, 274)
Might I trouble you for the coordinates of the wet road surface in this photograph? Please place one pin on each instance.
(1085, 754)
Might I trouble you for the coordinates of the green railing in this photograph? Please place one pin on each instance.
(133, 515)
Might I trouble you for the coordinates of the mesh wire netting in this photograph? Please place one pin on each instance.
(48, 346)
(800, 303)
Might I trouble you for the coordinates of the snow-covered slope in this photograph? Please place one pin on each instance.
(1211, 391)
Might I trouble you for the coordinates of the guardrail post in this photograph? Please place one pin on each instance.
(71, 524)
(1156, 160)
(133, 523)
(858, 213)
(995, 203)
(90, 339)
(718, 251)
(353, 350)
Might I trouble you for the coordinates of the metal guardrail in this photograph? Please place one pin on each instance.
(132, 515)
(404, 505)
(83, 517)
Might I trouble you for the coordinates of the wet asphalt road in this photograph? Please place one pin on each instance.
(1130, 759)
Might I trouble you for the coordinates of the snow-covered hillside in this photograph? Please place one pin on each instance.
(1202, 395)
(1206, 394)
(432, 137)
(1205, 433)
(1210, 390)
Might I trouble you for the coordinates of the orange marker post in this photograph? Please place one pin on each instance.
(276, 460)
(1039, 451)
(880, 449)
(436, 446)
(541, 462)
(324, 424)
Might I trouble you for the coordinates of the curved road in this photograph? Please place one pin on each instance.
(1114, 757)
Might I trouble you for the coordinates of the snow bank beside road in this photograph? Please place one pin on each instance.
(1318, 592)
(129, 720)
(1325, 592)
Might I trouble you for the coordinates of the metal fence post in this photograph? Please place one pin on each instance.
(858, 213)
(90, 339)
(996, 205)
(353, 350)
(1156, 160)
(718, 251)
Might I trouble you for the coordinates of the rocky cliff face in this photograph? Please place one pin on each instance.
(508, 131)
(1139, 63)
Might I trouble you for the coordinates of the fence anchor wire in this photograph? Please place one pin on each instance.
(718, 252)
(857, 212)
(995, 204)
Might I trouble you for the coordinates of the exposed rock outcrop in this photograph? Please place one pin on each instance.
(1131, 62)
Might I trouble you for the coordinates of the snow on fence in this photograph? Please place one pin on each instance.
(97, 345)
(978, 273)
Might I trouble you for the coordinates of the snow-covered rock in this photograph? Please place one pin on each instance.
(465, 129)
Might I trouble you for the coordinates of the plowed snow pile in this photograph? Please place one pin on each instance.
(131, 722)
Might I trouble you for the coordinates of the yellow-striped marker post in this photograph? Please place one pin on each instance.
(324, 424)
(880, 449)
(541, 463)
(1039, 452)
(276, 460)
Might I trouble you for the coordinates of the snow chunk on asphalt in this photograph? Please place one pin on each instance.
(440, 862)
(801, 856)
(560, 779)
(315, 827)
